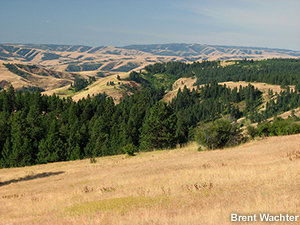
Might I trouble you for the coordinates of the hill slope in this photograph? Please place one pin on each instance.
(76, 58)
(59, 65)
(33, 76)
(194, 52)
(181, 186)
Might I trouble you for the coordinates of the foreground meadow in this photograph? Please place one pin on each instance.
(180, 186)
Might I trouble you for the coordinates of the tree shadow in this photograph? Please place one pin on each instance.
(31, 177)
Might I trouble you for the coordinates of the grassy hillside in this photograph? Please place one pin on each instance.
(180, 186)
(58, 82)
(20, 75)
(52, 81)
(171, 76)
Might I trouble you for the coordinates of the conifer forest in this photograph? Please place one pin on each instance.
(36, 128)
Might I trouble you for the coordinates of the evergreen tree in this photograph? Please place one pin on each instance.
(5, 154)
(52, 148)
(4, 129)
(159, 128)
(182, 130)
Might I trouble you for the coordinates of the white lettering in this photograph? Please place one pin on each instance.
(264, 217)
(243, 218)
(282, 218)
(233, 217)
(287, 217)
(271, 218)
(253, 218)
(250, 218)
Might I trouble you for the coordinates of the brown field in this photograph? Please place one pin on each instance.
(180, 186)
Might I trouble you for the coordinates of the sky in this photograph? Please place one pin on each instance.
(253, 23)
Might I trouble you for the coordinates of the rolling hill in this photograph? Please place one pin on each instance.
(55, 67)
(180, 186)
(78, 58)
(28, 76)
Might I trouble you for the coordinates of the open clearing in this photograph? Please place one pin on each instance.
(181, 186)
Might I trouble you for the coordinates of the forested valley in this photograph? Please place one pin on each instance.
(36, 128)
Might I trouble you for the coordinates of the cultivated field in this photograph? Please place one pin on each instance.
(181, 186)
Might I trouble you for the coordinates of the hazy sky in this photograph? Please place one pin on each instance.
(259, 23)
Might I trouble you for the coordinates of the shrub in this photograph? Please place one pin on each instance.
(252, 131)
(264, 129)
(129, 149)
(279, 127)
(93, 160)
(218, 134)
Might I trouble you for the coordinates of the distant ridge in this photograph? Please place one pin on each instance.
(206, 50)
(78, 58)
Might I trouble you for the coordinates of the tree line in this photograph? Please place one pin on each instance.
(81, 83)
(272, 71)
(36, 128)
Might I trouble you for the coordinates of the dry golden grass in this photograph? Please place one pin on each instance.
(181, 186)
(14, 79)
(100, 86)
(45, 82)
(189, 83)
(260, 86)
(179, 84)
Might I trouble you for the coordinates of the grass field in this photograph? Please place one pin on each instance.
(180, 186)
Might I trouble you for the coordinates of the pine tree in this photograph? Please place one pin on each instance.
(159, 128)
(181, 128)
(52, 148)
(5, 154)
(11, 98)
(4, 129)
